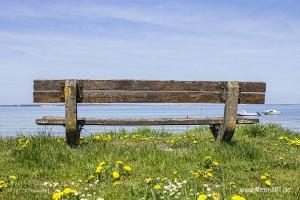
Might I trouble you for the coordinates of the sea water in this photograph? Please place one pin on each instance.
(20, 119)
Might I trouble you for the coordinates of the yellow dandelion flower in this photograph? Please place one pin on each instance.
(57, 196)
(13, 178)
(91, 178)
(263, 177)
(20, 141)
(196, 174)
(127, 168)
(195, 142)
(99, 169)
(119, 162)
(237, 197)
(117, 183)
(27, 141)
(209, 174)
(116, 175)
(148, 180)
(268, 182)
(283, 138)
(109, 137)
(69, 191)
(2, 184)
(97, 137)
(102, 163)
(157, 187)
(207, 158)
(202, 197)
(215, 163)
(216, 196)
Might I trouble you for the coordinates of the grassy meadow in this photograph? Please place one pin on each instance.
(262, 162)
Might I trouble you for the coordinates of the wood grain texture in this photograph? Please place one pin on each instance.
(252, 98)
(148, 97)
(230, 112)
(141, 91)
(71, 126)
(151, 97)
(149, 85)
(47, 97)
(140, 122)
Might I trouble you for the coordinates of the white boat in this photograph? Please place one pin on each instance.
(272, 112)
(245, 113)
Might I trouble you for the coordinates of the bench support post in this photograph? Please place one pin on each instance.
(215, 129)
(72, 130)
(230, 112)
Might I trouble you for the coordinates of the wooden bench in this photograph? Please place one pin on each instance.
(72, 92)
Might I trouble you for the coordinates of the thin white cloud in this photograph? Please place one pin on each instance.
(164, 41)
(185, 18)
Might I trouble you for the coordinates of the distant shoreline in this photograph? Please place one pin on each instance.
(146, 104)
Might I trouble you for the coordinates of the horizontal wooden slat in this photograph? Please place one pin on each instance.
(140, 122)
(46, 85)
(140, 85)
(133, 97)
(151, 97)
(148, 97)
(47, 97)
(259, 87)
(252, 98)
(145, 85)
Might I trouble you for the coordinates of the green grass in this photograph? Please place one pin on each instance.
(45, 164)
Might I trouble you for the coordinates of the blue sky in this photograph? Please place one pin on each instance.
(257, 40)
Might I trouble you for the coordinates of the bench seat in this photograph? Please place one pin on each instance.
(139, 122)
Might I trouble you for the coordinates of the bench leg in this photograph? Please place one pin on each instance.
(230, 112)
(71, 124)
(215, 129)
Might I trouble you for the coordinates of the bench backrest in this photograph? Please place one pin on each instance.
(142, 91)
(71, 92)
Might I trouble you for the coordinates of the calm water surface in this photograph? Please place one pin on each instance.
(20, 119)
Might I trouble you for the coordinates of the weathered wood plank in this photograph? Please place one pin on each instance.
(259, 87)
(149, 85)
(47, 97)
(230, 112)
(151, 97)
(142, 85)
(46, 85)
(252, 98)
(72, 131)
(140, 122)
(147, 97)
